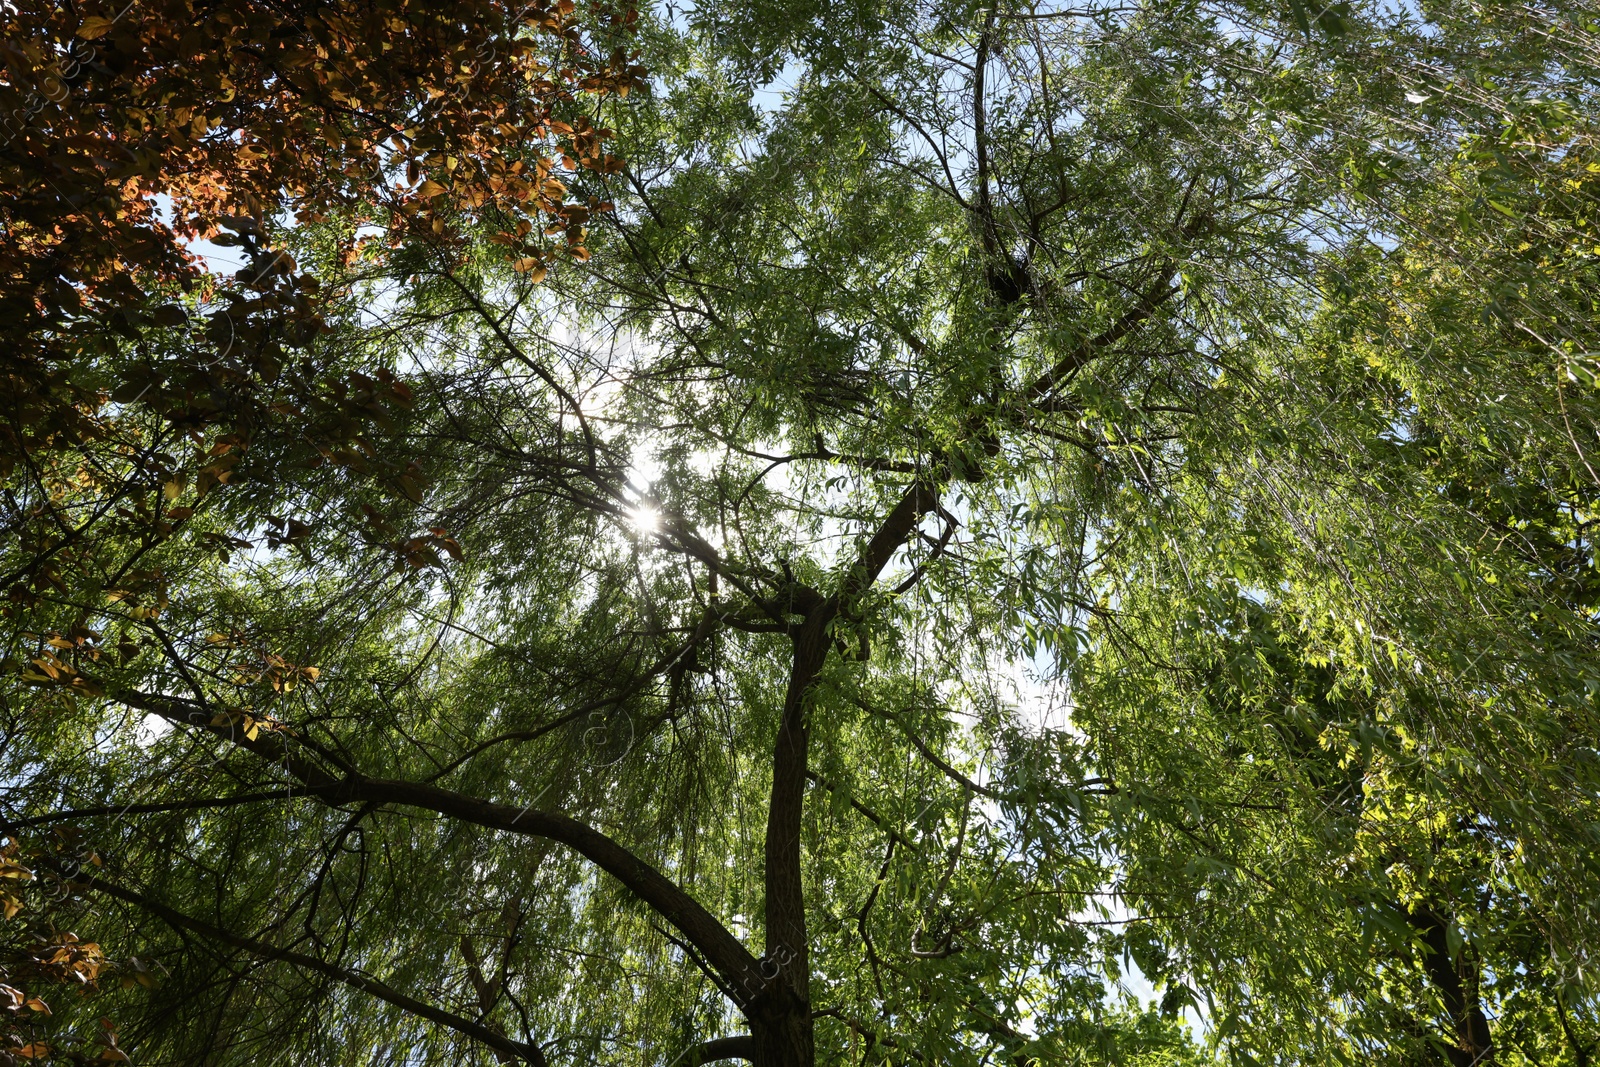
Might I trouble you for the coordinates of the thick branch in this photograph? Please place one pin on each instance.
(669, 900)
(920, 497)
(665, 897)
(1474, 1045)
(980, 137)
(785, 889)
(739, 1047)
(270, 745)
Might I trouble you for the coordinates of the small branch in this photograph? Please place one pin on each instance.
(148, 809)
(1073, 361)
(871, 816)
(866, 909)
(928, 753)
(523, 1051)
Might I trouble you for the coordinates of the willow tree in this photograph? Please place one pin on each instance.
(1007, 493)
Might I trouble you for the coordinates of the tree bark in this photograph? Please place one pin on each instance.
(739, 1047)
(780, 1020)
(781, 1024)
(1474, 1046)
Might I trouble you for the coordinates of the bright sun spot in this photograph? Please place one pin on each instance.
(646, 518)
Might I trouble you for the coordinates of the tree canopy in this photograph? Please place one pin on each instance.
(806, 533)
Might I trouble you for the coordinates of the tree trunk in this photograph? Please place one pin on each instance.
(787, 1042)
(781, 1023)
(1474, 1045)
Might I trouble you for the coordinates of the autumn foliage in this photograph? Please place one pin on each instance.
(132, 130)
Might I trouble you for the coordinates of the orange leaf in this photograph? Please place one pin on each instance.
(95, 26)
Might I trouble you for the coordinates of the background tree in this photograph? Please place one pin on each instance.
(131, 132)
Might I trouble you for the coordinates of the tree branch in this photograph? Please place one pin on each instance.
(1075, 360)
(148, 809)
(738, 1047)
(500, 1043)
(665, 897)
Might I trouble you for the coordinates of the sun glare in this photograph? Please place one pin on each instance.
(646, 519)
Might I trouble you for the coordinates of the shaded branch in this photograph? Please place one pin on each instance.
(356, 980)
(149, 809)
(661, 894)
(738, 1047)
(1074, 361)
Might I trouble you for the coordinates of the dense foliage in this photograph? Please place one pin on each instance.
(950, 534)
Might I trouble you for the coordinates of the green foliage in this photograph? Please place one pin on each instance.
(1029, 529)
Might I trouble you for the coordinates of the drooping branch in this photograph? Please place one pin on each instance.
(515, 351)
(649, 675)
(197, 804)
(669, 900)
(354, 979)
